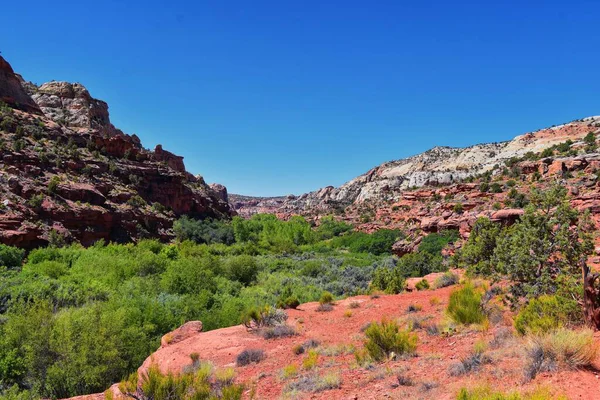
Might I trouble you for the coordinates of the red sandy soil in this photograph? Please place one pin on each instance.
(434, 354)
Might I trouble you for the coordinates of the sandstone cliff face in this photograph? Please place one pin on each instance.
(11, 91)
(440, 166)
(65, 168)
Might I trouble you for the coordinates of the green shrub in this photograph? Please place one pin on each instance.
(448, 279)
(386, 338)
(390, 281)
(326, 298)
(203, 231)
(288, 302)
(423, 284)
(11, 257)
(486, 393)
(53, 184)
(546, 313)
(464, 306)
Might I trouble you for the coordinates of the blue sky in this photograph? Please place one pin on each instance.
(278, 97)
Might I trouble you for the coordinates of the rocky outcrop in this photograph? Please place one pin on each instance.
(440, 166)
(66, 168)
(11, 91)
(185, 331)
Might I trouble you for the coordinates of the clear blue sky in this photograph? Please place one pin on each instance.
(285, 97)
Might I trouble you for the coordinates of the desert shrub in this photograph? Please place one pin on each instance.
(354, 304)
(423, 284)
(279, 331)
(311, 359)
(260, 317)
(404, 380)
(314, 383)
(464, 306)
(546, 313)
(36, 201)
(458, 208)
(249, 356)
(389, 280)
(136, 201)
(325, 307)
(194, 384)
(414, 308)
(447, 279)
(326, 298)
(471, 363)
(203, 231)
(486, 393)
(289, 302)
(561, 349)
(11, 257)
(385, 338)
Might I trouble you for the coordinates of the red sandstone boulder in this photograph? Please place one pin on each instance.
(185, 331)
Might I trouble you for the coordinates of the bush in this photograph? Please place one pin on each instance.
(469, 364)
(11, 257)
(464, 306)
(458, 208)
(562, 348)
(203, 231)
(379, 242)
(486, 393)
(194, 384)
(289, 302)
(324, 307)
(249, 356)
(448, 279)
(546, 313)
(326, 298)
(278, 331)
(386, 338)
(257, 318)
(311, 360)
(53, 184)
(423, 284)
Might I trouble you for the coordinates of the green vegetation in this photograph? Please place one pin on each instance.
(464, 306)
(486, 393)
(386, 338)
(75, 320)
(546, 313)
(427, 260)
(542, 253)
(197, 382)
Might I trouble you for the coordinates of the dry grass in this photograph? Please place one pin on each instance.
(562, 348)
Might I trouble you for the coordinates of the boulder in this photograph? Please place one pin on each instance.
(185, 331)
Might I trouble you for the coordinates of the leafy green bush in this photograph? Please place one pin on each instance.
(11, 257)
(203, 231)
(464, 306)
(379, 242)
(546, 313)
(386, 338)
(434, 243)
